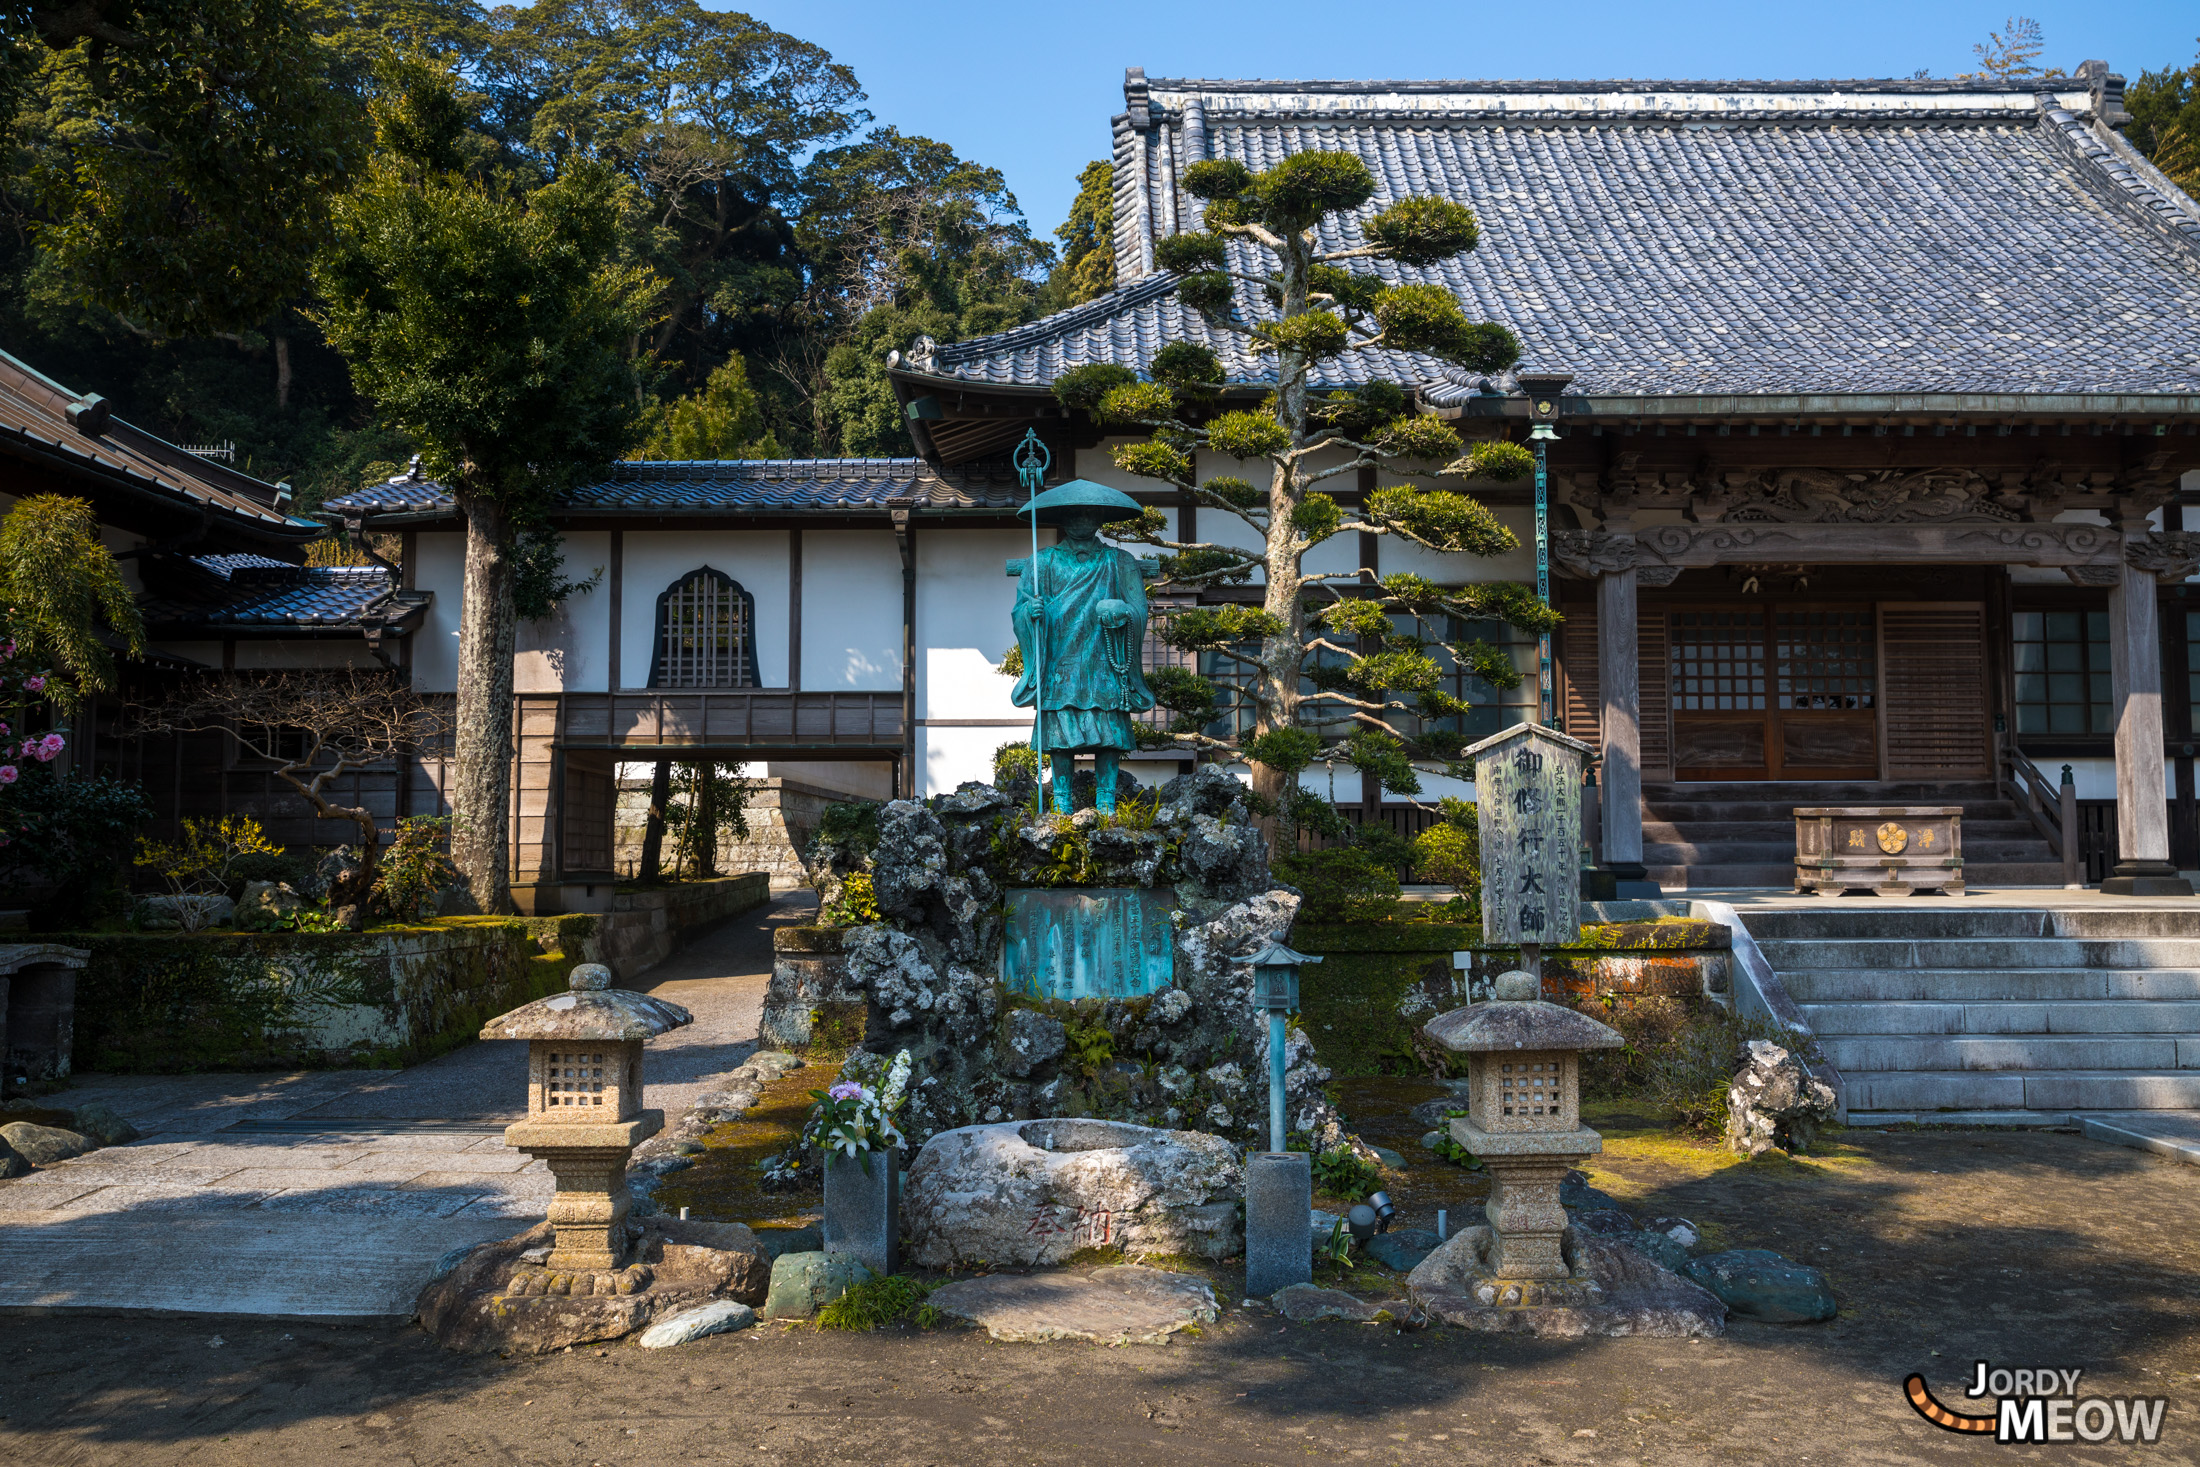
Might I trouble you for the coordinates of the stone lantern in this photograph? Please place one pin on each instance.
(1524, 1114)
(584, 1105)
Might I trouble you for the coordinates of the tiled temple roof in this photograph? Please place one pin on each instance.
(251, 591)
(42, 421)
(779, 485)
(1678, 238)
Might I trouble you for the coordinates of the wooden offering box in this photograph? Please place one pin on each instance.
(1892, 849)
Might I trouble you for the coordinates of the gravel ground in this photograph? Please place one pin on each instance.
(2033, 1249)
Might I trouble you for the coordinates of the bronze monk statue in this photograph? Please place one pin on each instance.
(1080, 622)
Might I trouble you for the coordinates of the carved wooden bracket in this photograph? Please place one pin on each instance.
(2094, 575)
(2170, 556)
(1587, 554)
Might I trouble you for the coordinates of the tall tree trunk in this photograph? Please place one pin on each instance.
(705, 819)
(1283, 596)
(653, 829)
(481, 783)
(282, 370)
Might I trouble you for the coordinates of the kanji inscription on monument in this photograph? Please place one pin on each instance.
(1527, 791)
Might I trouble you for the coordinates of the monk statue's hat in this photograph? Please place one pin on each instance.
(1082, 494)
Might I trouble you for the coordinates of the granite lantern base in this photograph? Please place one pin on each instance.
(589, 1162)
(1524, 1213)
(863, 1209)
(1279, 1206)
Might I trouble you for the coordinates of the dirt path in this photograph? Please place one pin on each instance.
(2034, 1249)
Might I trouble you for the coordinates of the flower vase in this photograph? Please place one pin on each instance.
(863, 1208)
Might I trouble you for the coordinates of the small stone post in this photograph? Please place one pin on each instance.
(1524, 1115)
(584, 1105)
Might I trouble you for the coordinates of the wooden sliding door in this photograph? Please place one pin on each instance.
(1773, 691)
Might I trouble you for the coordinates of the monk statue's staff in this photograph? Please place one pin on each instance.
(1031, 460)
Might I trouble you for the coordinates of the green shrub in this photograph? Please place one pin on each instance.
(1678, 1059)
(1342, 884)
(855, 904)
(879, 1301)
(1341, 1173)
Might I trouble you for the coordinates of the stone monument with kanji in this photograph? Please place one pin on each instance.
(1527, 793)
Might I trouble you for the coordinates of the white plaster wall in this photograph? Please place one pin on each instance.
(439, 565)
(949, 756)
(851, 610)
(756, 559)
(569, 651)
(964, 596)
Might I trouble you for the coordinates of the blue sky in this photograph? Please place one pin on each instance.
(1029, 88)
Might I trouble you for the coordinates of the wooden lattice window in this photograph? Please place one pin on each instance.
(706, 634)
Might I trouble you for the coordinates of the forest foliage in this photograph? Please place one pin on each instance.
(175, 170)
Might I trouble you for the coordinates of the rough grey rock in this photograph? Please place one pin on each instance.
(772, 1063)
(1607, 1222)
(1436, 1112)
(339, 864)
(1760, 1284)
(11, 1163)
(1659, 1248)
(1614, 1290)
(1306, 1303)
(1031, 1039)
(102, 1123)
(1404, 1249)
(268, 903)
(721, 1316)
(1775, 1102)
(1035, 1192)
(803, 1283)
(44, 1145)
(1388, 1157)
(501, 1295)
(167, 913)
(1120, 1305)
(1679, 1229)
(778, 1241)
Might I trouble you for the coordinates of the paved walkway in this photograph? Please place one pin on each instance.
(335, 1191)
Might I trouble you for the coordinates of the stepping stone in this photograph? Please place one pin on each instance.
(721, 1317)
(1125, 1304)
(803, 1283)
(1304, 1303)
(1759, 1284)
(1402, 1250)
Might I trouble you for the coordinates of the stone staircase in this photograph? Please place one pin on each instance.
(1997, 1014)
(1699, 837)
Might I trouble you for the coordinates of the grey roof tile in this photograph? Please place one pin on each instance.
(1822, 237)
(252, 590)
(815, 485)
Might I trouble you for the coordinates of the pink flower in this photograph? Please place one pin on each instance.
(50, 747)
(35, 684)
(7, 774)
(846, 1090)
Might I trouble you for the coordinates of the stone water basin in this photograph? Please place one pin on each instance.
(1039, 1192)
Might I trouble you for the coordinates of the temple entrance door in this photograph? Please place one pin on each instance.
(1782, 690)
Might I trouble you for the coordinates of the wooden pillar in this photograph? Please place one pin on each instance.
(2143, 867)
(617, 593)
(905, 536)
(794, 611)
(1619, 690)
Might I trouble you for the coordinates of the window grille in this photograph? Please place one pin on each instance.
(2062, 672)
(706, 634)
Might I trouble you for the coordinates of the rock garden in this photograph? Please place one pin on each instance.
(935, 1143)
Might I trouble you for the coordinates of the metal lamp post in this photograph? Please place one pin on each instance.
(1543, 390)
(1276, 993)
(1279, 1184)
